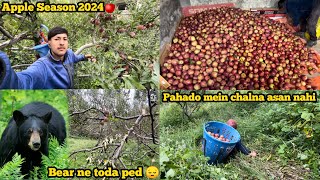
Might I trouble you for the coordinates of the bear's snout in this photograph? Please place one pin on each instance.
(36, 145)
(35, 141)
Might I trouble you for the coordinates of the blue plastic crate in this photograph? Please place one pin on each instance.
(215, 149)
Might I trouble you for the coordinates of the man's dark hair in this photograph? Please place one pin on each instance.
(56, 30)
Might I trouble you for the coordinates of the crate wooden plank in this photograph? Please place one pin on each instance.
(190, 10)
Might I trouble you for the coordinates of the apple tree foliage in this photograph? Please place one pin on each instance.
(125, 43)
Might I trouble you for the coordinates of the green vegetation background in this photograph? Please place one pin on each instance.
(15, 99)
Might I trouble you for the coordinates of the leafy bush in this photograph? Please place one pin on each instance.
(58, 157)
(298, 127)
(171, 115)
(12, 169)
(285, 135)
(183, 158)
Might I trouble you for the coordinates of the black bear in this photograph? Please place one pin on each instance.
(27, 134)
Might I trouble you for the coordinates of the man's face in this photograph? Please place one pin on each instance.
(59, 45)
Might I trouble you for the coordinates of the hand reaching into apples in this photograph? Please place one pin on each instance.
(89, 57)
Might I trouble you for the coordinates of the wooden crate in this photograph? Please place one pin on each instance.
(266, 11)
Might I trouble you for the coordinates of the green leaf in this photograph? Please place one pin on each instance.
(163, 158)
(285, 129)
(187, 155)
(132, 83)
(155, 80)
(317, 108)
(196, 171)
(116, 73)
(281, 149)
(156, 68)
(307, 116)
(170, 173)
(302, 156)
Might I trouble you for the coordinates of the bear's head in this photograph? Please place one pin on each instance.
(32, 130)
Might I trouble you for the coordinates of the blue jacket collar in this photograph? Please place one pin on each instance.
(49, 55)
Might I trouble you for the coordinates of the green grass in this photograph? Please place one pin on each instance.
(267, 165)
(79, 143)
(79, 160)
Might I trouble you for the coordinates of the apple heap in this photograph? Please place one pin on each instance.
(219, 137)
(230, 49)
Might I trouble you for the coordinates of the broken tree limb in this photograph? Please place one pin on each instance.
(145, 137)
(20, 66)
(133, 117)
(88, 45)
(92, 149)
(19, 16)
(6, 33)
(145, 154)
(81, 112)
(25, 48)
(124, 139)
(14, 40)
(146, 145)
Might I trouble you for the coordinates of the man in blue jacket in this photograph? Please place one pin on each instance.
(240, 147)
(53, 71)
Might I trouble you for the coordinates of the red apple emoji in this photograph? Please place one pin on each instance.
(109, 8)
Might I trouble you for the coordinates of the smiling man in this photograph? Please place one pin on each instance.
(53, 71)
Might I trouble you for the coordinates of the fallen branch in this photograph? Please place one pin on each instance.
(133, 117)
(81, 112)
(14, 40)
(150, 147)
(145, 154)
(84, 76)
(125, 167)
(124, 139)
(19, 66)
(19, 16)
(92, 149)
(144, 137)
(87, 46)
(25, 48)
(6, 33)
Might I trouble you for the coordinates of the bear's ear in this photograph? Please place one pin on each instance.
(19, 117)
(47, 117)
